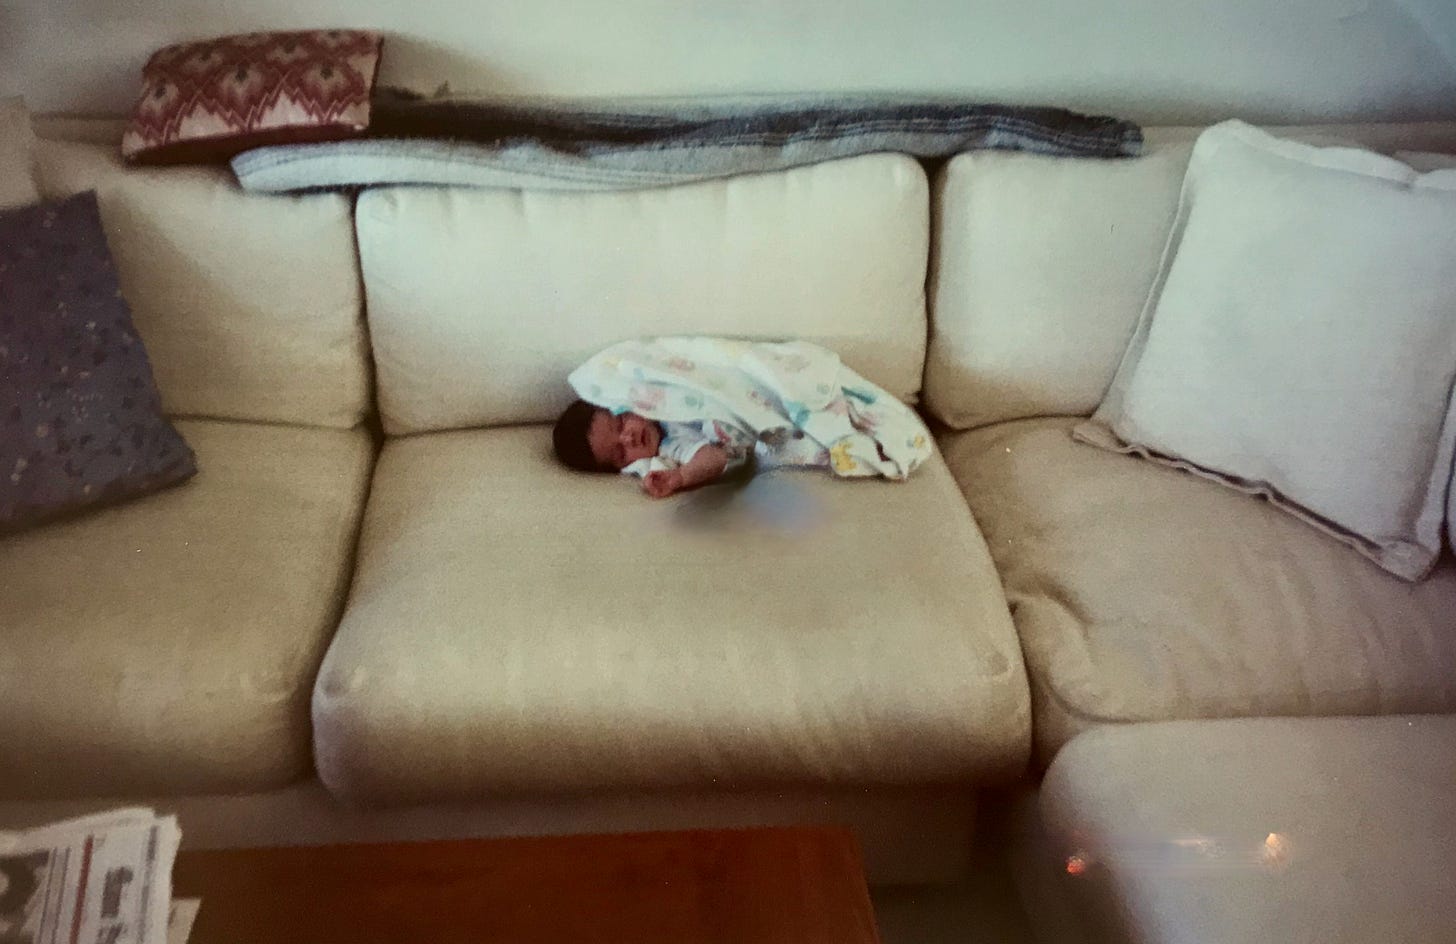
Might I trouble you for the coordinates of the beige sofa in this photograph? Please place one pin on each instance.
(381, 610)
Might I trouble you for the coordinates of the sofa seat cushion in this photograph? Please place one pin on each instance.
(1329, 830)
(515, 627)
(1142, 593)
(169, 645)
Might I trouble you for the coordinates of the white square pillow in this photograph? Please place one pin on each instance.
(1300, 340)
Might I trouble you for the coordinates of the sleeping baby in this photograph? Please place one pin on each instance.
(671, 457)
(683, 412)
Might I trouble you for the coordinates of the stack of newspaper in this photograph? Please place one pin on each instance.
(105, 878)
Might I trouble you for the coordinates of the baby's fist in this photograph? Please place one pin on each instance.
(662, 483)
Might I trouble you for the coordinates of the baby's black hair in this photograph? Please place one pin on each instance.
(573, 449)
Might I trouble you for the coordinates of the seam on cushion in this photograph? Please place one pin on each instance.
(1080, 714)
(373, 417)
(1291, 151)
(1075, 710)
(250, 421)
(1377, 552)
(1041, 589)
(1377, 699)
(345, 589)
(336, 583)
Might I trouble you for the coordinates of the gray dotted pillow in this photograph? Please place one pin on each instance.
(81, 422)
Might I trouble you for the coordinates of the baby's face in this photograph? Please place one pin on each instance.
(619, 441)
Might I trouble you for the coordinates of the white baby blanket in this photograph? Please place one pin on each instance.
(761, 387)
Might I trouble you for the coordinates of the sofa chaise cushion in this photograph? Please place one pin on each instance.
(516, 627)
(1300, 830)
(1142, 593)
(169, 646)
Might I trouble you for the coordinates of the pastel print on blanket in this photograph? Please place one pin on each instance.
(761, 387)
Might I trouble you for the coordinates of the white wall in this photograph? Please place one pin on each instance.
(1157, 61)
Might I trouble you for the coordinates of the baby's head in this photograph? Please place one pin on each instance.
(590, 439)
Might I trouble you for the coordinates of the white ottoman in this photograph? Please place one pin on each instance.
(1325, 830)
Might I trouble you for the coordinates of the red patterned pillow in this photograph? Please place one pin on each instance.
(207, 101)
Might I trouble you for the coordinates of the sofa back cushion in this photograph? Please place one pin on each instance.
(1042, 266)
(17, 186)
(249, 305)
(481, 302)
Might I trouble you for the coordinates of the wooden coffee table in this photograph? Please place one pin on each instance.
(755, 886)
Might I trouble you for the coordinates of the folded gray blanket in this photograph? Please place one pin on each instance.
(443, 141)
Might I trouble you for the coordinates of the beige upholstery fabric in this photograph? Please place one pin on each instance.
(1042, 266)
(482, 301)
(169, 644)
(1363, 811)
(515, 627)
(249, 305)
(1142, 593)
(17, 183)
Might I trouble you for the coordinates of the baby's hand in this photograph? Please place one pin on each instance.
(662, 483)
